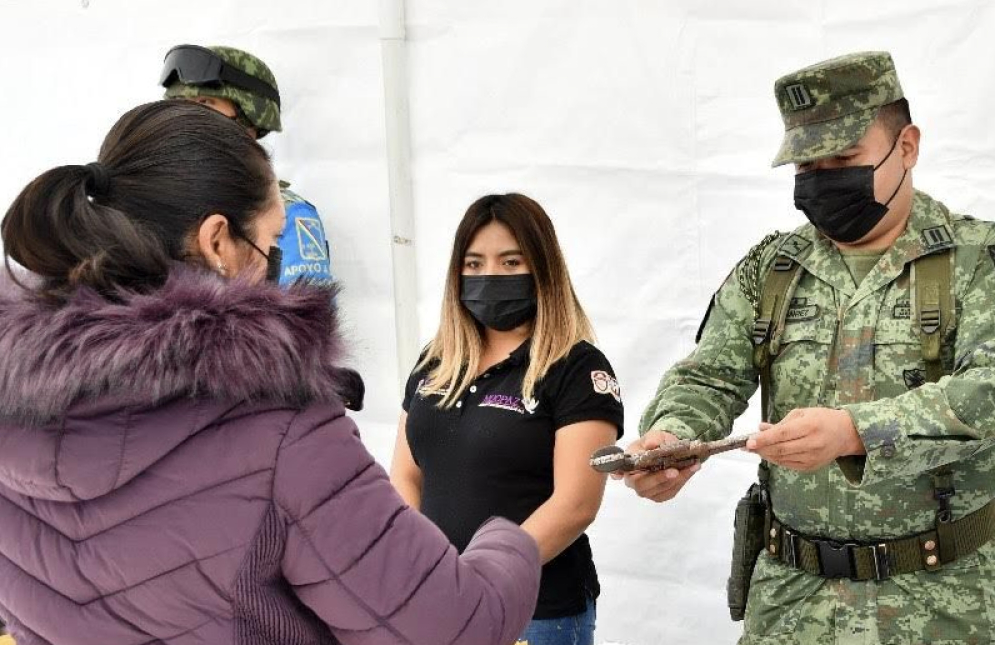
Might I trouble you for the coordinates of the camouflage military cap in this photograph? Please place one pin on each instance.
(262, 112)
(828, 107)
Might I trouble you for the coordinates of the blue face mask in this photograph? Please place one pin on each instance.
(305, 248)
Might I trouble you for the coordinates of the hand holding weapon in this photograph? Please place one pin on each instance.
(675, 454)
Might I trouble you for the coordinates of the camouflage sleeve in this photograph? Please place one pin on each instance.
(701, 396)
(944, 422)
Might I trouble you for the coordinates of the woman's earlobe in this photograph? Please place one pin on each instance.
(210, 238)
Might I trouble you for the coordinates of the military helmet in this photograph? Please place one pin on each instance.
(190, 71)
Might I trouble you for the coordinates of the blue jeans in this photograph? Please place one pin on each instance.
(569, 630)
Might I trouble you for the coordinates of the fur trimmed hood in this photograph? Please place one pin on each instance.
(197, 336)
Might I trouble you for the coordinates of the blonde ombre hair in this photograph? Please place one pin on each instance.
(560, 321)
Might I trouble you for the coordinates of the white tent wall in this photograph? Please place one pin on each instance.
(645, 128)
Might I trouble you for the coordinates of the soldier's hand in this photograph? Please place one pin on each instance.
(661, 485)
(808, 439)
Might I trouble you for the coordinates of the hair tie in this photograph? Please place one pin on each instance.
(97, 179)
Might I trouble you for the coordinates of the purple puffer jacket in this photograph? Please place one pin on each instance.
(177, 468)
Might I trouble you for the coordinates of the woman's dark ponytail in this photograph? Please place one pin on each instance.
(57, 231)
(123, 221)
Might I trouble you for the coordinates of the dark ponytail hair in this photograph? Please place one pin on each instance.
(123, 221)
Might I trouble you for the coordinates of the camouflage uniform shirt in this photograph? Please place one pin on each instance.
(857, 347)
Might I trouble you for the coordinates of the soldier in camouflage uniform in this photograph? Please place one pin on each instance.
(880, 479)
(242, 87)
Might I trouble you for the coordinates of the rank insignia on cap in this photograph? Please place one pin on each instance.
(799, 96)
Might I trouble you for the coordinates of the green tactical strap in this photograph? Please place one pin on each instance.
(782, 278)
(881, 560)
(763, 475)
(769, 324)
(943, 490)
(934, 307)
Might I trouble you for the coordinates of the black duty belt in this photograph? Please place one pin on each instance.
(881, 559)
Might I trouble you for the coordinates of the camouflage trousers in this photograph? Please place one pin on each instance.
(953, 605)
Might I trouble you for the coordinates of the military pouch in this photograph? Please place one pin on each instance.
(747, 543)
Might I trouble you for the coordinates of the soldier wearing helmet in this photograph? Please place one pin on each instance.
(243, 88)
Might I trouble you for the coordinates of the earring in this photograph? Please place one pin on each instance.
(222, 269)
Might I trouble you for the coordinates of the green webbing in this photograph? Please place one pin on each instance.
(934, 308)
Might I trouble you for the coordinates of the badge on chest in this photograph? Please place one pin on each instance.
(800, 310)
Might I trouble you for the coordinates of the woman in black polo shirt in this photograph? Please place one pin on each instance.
(507, 404)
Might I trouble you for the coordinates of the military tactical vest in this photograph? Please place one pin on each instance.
(934, 308)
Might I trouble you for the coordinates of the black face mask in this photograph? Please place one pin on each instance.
(500, 302)
(840, 201)
(274, 259)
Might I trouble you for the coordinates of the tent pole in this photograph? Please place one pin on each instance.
(402, 223)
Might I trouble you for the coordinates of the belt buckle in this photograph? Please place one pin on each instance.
(836, 559)
(882, 565)
(790, 547)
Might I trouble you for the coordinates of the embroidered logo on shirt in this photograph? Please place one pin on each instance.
(530, 405)
(902, 310)
(424, 392)
(605, 383)
(503, 402)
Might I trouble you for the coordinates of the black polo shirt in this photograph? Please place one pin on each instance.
(492, 454)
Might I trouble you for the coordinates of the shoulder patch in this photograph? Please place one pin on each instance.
(605, 383)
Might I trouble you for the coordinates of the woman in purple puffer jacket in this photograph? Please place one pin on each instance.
(176, 465)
